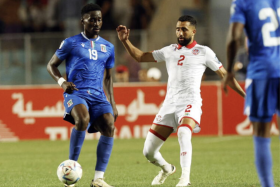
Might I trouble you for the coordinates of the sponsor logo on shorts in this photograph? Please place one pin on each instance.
(158, 118)
(70, 103)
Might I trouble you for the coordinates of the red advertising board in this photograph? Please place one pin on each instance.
(35, 112)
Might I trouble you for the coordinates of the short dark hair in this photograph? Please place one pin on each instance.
(89, 7)
(189, 19)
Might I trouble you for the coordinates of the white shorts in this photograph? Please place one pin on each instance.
(171, 115)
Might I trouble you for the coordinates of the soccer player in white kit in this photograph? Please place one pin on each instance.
(181, 109)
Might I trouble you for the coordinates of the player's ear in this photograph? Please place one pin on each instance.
(82, 21)
(194, 31)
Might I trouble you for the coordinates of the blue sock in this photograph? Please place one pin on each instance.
(104, 149)
(263, 161)
(76, 143)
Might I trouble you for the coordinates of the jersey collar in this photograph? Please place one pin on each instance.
(187, 46)
(88, 38)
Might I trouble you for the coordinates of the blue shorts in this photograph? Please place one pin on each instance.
(262, 99)
(95, 108)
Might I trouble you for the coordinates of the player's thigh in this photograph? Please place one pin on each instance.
(164, 122)
(262, 99)
(76, 109)
(163, 131)
(80, 113)
(101, 118)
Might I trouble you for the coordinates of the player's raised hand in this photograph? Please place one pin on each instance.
(123, 32)
(68, 87)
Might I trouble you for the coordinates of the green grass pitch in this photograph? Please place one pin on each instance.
(217, 162)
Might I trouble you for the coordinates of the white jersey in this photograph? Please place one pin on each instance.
(185, 67)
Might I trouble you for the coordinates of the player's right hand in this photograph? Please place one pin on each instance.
(123, 32)
(68, 87)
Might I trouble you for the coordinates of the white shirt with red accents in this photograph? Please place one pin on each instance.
(185, 67)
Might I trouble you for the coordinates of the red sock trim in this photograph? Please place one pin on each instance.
(157, 134)
(185, 125)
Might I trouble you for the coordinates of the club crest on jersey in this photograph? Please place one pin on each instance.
(70, 103)
(103, 48)
(195, 51)
(82, 44)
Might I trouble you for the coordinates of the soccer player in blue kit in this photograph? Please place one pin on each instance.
(260, 19)
(89, 62)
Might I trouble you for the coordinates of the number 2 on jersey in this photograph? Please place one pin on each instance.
(269, 27)
(92, 54)
(188, 108)
(180, 63)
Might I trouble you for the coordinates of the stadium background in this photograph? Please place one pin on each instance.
(32, 30)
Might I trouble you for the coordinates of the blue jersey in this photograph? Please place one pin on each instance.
(86, 60)
(261, 20)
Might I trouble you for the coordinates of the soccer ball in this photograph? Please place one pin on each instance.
(69, 172)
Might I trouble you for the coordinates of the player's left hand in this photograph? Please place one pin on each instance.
(228, 80)
(68, 87)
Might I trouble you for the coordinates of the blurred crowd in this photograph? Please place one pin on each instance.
(64, 15)
(152, 74)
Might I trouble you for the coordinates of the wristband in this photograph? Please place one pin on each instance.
(60, 81)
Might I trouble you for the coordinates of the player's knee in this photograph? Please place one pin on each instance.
(108, 129)
(148, 154)
(183, 132)
(111, 128)
(82, 123)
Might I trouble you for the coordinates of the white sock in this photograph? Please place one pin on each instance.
(99, 175)
(151, 151)
(184, 138)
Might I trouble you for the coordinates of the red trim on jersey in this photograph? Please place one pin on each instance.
(220, 66)
(163, 125)
(188, 46)
(157, 134)
(185, 125)
(190, 118)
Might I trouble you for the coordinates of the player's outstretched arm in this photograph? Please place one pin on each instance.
(137, 54)
(232, 82)
(108, 88)
(52, 68)
(233, 39)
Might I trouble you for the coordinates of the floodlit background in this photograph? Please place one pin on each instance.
(32, 102)
(32, 30)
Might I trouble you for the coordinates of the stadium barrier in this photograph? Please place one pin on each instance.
(35, 112)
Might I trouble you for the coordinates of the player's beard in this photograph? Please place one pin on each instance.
(185, 42)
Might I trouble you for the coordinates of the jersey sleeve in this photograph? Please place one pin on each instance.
(64, 49)
(212, 61)
(237, 12)
(111, 60)
(159, 55)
